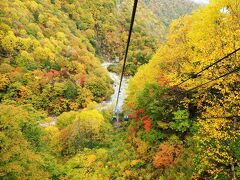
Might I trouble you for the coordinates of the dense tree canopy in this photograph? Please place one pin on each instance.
(46, 60)
(181, 124)
(197, 116)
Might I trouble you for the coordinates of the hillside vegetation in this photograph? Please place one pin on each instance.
(168, 10)
(50, 71)
(185, 129)
(49, 51)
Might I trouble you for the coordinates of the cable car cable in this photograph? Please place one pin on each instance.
(126, 52)
(224, 75)
(207, 67)
(214, 117)
(184, 93)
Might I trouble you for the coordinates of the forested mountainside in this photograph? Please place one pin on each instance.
(46, 60)
(188, 122)
(168, 10)
(52, 85)
(49, 51)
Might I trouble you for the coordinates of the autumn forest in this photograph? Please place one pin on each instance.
(178, 111)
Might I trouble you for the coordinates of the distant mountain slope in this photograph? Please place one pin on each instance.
(106, 25)
(49, 49)
(168, 10)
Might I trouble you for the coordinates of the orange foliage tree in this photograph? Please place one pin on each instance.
(166, 155)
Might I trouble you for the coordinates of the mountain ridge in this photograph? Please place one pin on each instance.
(167, 10)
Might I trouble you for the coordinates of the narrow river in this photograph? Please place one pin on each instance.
(111, 101)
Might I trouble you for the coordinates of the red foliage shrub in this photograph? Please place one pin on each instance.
(162, 80)
(147, 123)
(60, 100)
(83, 79)
(139, 111)
(130, 105)
(18, 69)
(52, 73)
(166, 155)
(136, 113)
